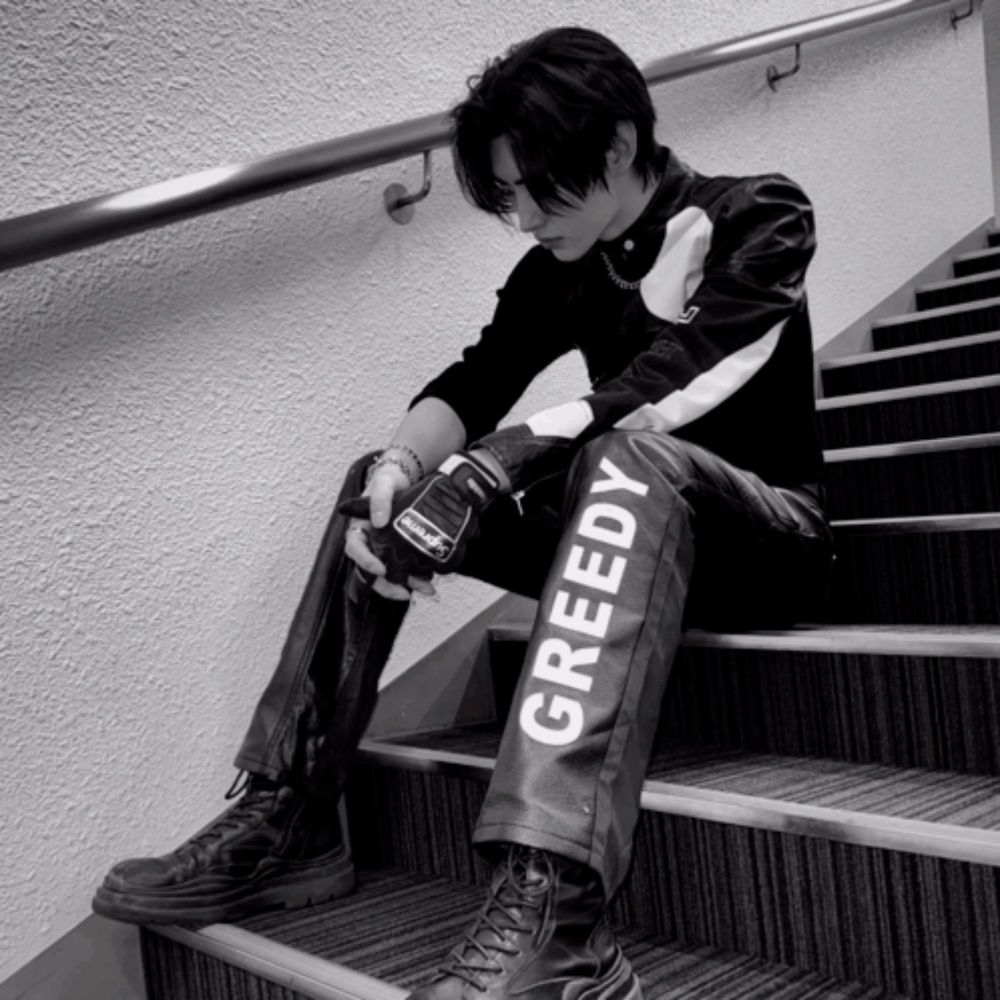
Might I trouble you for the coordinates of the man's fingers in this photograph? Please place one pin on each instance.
(422, 586)
(380, 500)
(393, 591)
(354, 507)
(356, 548)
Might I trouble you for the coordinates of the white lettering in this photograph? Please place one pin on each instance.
(578, 620)
(617, 480)
(556, 659)
(591, 575)
(554, 719)
(620, 535)
(561, 708)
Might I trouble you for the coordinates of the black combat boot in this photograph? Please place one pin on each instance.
(272, 848)
(541, 935)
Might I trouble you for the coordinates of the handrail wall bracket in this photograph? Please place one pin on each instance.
(774, 74)
(399, 203)
(955, 17)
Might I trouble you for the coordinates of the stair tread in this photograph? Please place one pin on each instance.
(924, 347)
(979, 254)
(921, 523)
(938, 312)
(398, 926)
(959, 641)
(968, 279)
(962, 442)
(946, 813)
(922, 389)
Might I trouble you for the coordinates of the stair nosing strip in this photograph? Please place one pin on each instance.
(908, 392)
(918, 641)
(986, 521)
(895, 833)
(923, 446)
(444, 762)
(310, 975)
(937, 313)
(930, 642)
(925, 347)
(966, 279)
(978, 254)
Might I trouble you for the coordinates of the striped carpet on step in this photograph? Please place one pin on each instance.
(914, 793)
(399, 926)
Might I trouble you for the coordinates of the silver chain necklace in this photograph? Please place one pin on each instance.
(621, 282)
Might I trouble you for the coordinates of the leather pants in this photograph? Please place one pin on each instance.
(646, 534)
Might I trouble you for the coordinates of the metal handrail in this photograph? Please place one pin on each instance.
(53, 231)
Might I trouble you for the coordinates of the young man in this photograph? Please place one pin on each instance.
(685, 487)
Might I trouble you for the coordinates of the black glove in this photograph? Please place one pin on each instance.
(432, 521)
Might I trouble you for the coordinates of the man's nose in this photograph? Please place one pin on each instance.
(529, 215)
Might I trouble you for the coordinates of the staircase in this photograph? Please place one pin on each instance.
(821, 818)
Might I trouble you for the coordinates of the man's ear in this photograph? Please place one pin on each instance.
(621, 154)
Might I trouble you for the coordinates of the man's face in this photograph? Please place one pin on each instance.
(568, 234)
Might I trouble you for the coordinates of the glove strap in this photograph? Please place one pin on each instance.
(474, 480)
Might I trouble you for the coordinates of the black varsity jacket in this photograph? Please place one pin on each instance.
(693, 321)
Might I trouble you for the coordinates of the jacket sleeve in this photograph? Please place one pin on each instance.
(703, 346)
(525, 335)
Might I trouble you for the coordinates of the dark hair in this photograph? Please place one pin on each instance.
(559, 98)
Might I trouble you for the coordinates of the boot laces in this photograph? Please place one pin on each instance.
(520, 889)
(251, 803)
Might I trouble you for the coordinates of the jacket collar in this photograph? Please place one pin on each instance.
(672, 190)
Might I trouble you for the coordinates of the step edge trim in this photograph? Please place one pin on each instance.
(914, 391)
(924, 642)
(939, 312)
(932, 643)
(894, 833)
(978, 254)
(962, 282)
(925, 347)
(943, 840)
(924, 523)
(314, 977)
(924, 446)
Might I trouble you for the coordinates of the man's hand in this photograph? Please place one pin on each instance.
(431, 522)
(372, 510)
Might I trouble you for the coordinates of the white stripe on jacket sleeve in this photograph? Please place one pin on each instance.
(711, 387)
(569, 420)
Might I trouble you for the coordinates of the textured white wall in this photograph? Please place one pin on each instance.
(177, 408)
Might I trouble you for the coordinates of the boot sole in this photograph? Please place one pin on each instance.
(290, 891)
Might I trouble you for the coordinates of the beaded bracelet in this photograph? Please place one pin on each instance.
(384, 459)
(409, 451)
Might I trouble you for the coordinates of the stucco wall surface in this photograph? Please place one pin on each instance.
(177, 408)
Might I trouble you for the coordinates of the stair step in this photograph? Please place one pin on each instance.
(978, 261)
(903, 919)
(389, 936)
(924, 697)
(936, 409)
(918, 570)
(965, 641)
(942, 814)
(935, 361)
(936, 324)
(982, 285)
(993, 238)
(940, 476)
